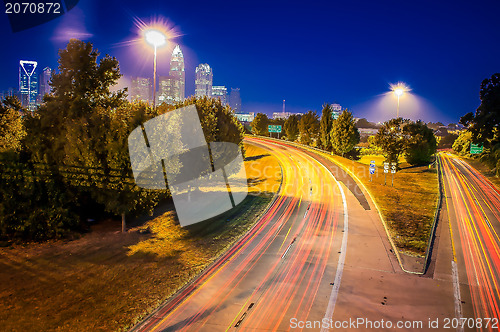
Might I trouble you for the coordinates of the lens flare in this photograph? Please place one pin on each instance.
(155, 37)
(399, 88)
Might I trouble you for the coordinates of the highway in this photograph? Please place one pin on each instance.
(473, 209)
(277, 270)
(320, 252)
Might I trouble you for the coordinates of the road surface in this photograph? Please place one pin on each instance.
(473, 209)
(319, 253)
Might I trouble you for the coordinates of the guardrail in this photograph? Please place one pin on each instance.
(437, 213)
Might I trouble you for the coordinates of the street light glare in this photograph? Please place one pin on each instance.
(399, 88)
(155, 37)
(399, 91)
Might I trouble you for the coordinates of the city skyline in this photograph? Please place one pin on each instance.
(352, 59)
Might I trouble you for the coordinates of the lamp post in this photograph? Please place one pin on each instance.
(399, 89)
(398, 92)
(156, 39)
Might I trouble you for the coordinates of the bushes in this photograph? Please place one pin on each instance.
(421, 143)
(462, 143)
(33, 208)
(414, 139)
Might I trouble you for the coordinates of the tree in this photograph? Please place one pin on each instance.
(218, 122)
(462, 143)
(291, 127)
(485, 123)
(390, 139)
(12, 129)
(420, 143)
(259, 124)
(79, 89)
(308, 128)
(344, 134)
(80, 132)
(325, 127)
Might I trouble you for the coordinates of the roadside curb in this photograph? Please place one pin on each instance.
(437, 214)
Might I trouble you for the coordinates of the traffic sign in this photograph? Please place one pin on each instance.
(372, 170)
(274, 128)
(393, 168)
(476, 149)
(386, 167)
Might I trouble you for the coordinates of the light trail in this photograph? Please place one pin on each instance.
(476, 204)
(274, 277)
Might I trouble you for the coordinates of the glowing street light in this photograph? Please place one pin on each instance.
(399, 89)
(157, 39)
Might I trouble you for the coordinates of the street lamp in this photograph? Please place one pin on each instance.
(155, 38)
(399, 89)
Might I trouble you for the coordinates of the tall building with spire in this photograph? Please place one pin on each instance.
(172, 88)
(177, 75)
(28, 83)
(203, 82)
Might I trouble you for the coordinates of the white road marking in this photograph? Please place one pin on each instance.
(340, 266)
(456, 293)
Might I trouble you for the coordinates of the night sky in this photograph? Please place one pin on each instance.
(306, 52)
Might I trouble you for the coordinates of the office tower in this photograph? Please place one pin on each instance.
(220, 91)
(177, 76)
(235, 100)
(166, 90)
(45, 77)
(203, 80)
(140, 89)
(28, 83)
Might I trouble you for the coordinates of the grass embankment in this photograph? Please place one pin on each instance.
(408, 207)
(106, 280)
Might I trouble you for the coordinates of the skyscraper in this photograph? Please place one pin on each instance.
(45, 77)
(140, 89)
(235, 100)
(28, 83)
(166, 90)
(177, 75)
(220, 92)
(203, 80)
